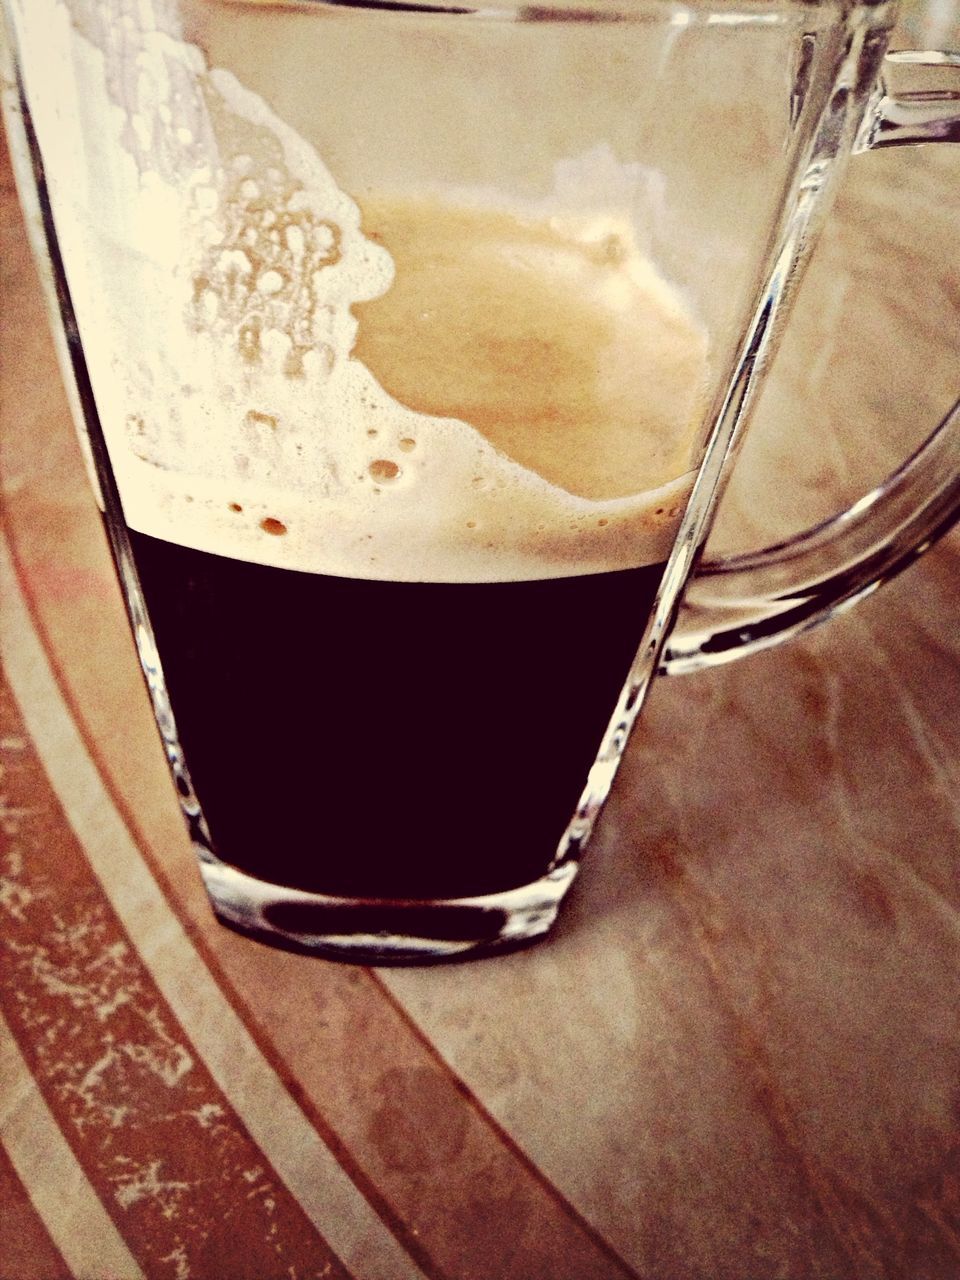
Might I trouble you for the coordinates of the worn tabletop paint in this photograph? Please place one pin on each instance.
(739, 1054)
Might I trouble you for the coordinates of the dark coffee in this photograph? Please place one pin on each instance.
(380, 739)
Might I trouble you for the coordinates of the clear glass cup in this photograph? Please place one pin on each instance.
(410, 348)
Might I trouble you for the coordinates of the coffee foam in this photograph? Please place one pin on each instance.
(218, 273)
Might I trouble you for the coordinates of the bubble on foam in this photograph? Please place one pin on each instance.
(214, 264)
(384, 470)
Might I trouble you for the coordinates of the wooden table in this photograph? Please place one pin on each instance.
(738, 1056)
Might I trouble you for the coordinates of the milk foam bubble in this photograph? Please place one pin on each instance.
(219, 275)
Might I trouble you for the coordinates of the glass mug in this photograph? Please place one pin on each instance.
(410, 347)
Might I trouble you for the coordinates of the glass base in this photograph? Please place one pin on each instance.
(385, 931)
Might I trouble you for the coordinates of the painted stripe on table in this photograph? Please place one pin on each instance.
(264, 1105)
(162, 1148)
(28, 1250)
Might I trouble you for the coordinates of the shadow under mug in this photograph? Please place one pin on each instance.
(410, 347)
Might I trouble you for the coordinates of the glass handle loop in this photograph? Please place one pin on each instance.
(737, 605)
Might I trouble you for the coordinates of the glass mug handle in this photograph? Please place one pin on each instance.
(740, 604)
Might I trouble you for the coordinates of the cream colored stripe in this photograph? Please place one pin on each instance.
(71, 1210)
(287, 1138)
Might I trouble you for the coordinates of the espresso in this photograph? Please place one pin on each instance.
(379, 739)
(373, 738)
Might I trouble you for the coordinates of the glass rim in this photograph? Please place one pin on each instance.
(678, 13)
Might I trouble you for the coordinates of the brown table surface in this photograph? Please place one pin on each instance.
(739, 1054)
